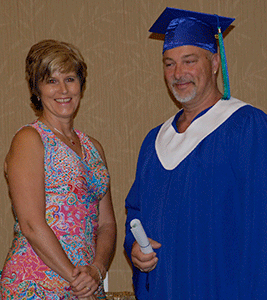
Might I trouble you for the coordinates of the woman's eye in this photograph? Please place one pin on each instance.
(51, 80)
(70, 79)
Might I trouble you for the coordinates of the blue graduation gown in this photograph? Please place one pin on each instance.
(209, 211)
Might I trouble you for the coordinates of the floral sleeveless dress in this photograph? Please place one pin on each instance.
(73, 186)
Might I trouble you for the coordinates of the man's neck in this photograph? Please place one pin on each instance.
(193, 108)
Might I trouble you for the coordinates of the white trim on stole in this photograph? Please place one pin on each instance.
(173, 147)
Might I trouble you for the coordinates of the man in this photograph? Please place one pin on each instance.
(201, 180)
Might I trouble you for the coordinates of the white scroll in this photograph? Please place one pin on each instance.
(140, 236)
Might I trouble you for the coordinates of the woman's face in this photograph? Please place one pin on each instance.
(60, 94)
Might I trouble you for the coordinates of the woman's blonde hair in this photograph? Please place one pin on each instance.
(48, 56)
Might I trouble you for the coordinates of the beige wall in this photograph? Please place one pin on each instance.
(125, 95)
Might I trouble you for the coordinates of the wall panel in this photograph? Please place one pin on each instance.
(126, 95)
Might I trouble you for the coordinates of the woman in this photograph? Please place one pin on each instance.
(59, 186)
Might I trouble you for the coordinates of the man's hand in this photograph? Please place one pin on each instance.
(145, 262)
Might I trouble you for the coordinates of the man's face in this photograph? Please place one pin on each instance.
(189, 73)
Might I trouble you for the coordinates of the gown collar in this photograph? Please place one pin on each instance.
(173, 147)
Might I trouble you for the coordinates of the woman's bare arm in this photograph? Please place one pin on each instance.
(24, 167)
(106, 235)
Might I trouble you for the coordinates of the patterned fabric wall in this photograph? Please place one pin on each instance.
(126, 95)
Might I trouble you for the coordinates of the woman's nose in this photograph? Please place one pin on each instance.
(63, 88)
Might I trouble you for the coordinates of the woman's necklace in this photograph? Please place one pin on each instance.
(68, 138)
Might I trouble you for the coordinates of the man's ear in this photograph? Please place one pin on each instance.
(215, 62)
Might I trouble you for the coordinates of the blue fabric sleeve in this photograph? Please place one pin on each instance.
(132, 202)
(133, 208)
(249, 162)
(133, 212)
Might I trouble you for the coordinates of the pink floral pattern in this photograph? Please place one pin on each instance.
(74, 186)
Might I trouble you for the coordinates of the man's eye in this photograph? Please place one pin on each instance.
(191, 61)
(168, 64)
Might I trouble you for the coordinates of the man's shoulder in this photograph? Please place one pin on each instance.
(250, 112)
(151, 136)
(149, 140)
(246, 120)
(153, 132)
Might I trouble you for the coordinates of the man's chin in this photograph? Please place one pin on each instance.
(183, 99)
(183, 96)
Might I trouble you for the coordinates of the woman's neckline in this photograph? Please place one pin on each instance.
(77, 154)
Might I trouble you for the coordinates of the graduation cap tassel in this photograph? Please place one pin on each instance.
(226, 83)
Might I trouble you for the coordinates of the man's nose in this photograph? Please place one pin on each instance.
(178, 71)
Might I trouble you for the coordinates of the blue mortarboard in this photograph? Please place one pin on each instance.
(184, 27)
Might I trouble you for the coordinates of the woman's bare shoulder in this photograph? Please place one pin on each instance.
(98, 147)
(26, 141)
(96, 143)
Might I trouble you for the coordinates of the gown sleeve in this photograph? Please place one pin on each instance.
(132, 203)
(249, 163)
(135, 211)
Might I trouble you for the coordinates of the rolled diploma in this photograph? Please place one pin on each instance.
(140, 236)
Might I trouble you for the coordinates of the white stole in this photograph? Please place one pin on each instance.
(173, 147)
